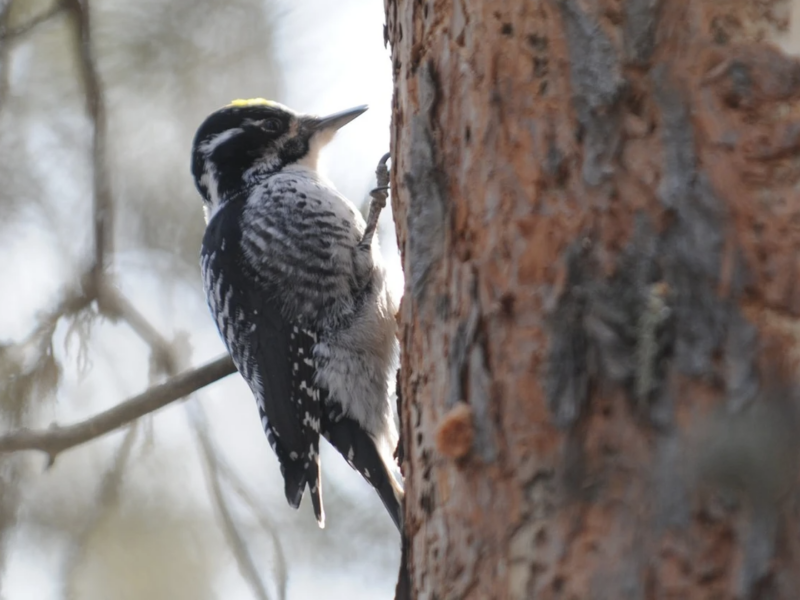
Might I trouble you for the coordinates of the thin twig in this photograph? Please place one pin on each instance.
(247, 566)
(114, 305)
(238, 486)
(71, 304)
(10, 33)
(107, 499)
(57, 438)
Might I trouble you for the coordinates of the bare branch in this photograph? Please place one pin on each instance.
(57, 438)
(10, 33)
(244, 559)
(95, 107)
(5, 55)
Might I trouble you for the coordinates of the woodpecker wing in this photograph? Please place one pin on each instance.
(302, 237)
(303, 234)
(269, 353)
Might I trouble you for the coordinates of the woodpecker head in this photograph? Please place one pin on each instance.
(248, 139)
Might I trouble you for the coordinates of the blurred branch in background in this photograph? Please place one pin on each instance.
(8, 33)
(103, 207)
(244, 558)
(266, 525)
(107, 499)
(56, 439)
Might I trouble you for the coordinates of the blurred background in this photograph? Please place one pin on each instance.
(101, 99)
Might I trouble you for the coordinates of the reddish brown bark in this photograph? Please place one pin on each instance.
(598, 209)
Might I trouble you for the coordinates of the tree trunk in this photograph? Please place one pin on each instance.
(597, 206)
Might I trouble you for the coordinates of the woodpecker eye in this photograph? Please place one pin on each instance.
(272, 125)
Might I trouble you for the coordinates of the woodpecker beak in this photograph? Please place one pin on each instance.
(338, 120)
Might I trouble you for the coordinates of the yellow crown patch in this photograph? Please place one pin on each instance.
(252, 102)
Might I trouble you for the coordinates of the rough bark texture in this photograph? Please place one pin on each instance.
(597, 204)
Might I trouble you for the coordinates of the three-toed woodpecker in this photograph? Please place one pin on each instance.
(298, 290)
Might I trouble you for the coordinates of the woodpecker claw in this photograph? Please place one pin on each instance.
(379, 195)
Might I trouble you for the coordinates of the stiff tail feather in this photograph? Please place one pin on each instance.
(315, 489)
(362, 453)
(295, 480)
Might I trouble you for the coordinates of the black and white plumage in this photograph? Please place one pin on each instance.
(299, 294)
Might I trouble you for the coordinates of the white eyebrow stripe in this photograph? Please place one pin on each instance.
(209, 146)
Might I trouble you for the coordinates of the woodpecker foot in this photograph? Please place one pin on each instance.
(379, 195)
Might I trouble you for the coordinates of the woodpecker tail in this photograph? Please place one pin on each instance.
(363, 454)
(315, 489)
(295, 480)
(294, 483)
